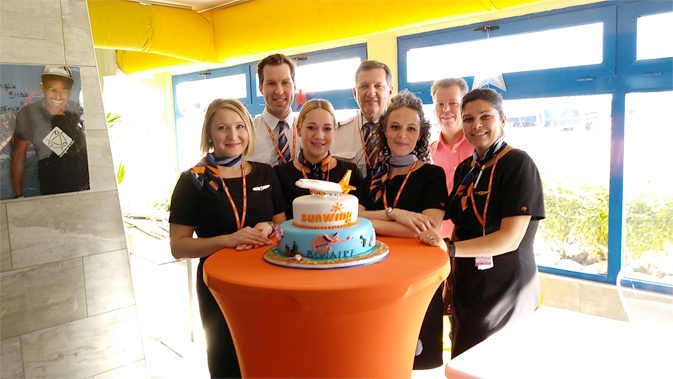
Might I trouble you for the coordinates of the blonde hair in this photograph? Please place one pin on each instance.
(239, 108)
(315, 104)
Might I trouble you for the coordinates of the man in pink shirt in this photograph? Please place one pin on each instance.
(452, 147)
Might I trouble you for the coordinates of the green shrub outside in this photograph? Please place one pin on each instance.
(577, 222)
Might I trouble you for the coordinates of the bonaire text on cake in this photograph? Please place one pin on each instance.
(331, 255)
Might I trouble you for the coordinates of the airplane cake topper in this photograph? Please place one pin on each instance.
(322, 187)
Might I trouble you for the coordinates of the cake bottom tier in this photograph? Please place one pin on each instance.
(326, 244)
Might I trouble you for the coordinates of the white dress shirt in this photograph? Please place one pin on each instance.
(266, 149)
(347, 143)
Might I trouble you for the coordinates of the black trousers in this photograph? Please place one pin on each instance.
(222, 360)
(431, 335)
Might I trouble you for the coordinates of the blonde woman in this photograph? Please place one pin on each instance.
(316, 126)
(214, 200)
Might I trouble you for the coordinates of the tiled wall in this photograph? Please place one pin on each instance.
(67, 308)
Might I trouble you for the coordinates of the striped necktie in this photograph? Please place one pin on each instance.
(370, 144)
(282, 143)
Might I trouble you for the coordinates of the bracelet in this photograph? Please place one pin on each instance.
(273, 229)
(452, 248)
(388, 210)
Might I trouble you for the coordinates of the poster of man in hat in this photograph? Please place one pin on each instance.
(42, 131)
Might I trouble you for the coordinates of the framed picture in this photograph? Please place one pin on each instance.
(43, 147)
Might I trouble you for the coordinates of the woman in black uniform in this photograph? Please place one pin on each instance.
(316, 125)
(212, 200)
(405, 196)
(496, 204)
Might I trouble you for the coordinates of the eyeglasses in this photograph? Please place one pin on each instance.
(452, 104)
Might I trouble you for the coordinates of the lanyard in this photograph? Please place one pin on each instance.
(273, 139)
(385, 200)
(239, 221)
(370, 164)
(482, 219)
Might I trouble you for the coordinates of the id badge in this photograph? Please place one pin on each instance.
(483, 263)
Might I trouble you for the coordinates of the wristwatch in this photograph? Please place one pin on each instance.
(388, 210)
(452, 248)
(273, 229)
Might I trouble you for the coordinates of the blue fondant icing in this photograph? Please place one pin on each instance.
(327, 244)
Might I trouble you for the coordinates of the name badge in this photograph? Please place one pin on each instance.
(483, 263)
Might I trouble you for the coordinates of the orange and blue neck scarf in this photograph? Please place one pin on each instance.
(380, 174)
(316, 168)
(206, 171)
(473, 176)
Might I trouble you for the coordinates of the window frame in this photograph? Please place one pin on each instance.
(619, 73)
(576, 78)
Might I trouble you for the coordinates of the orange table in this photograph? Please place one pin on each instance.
(358, 322)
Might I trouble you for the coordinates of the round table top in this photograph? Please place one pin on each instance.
(409, 263)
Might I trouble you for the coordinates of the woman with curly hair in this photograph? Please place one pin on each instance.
(405, 196)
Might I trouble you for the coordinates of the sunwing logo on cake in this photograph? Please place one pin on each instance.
(335, 215)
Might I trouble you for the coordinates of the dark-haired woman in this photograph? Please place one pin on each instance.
(405, 196)
(316, 126)
(496, 204)
(228, 202)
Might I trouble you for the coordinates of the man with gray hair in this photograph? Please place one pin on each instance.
(355, 139)
(451, 148)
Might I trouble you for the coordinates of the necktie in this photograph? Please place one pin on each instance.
(282, 143)
(370, 144)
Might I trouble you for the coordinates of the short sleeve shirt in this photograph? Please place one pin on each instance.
(212, 215)
(425, 189)
(486, 300)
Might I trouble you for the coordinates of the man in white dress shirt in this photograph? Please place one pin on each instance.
(276, 143)
(373, 88)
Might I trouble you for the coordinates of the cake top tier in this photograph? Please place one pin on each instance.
(328, 206)
(324, 211)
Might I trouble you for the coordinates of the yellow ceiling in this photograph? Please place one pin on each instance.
(151, 38)
(197, 5)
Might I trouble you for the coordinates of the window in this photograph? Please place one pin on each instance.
(192, 99)
(192, 93)
(561, 47)
(569, 140)
(586, 87)
(648, 193)
(194, 96)
(650, 36)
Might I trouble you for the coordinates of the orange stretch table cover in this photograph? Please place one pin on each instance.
(358, 322)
